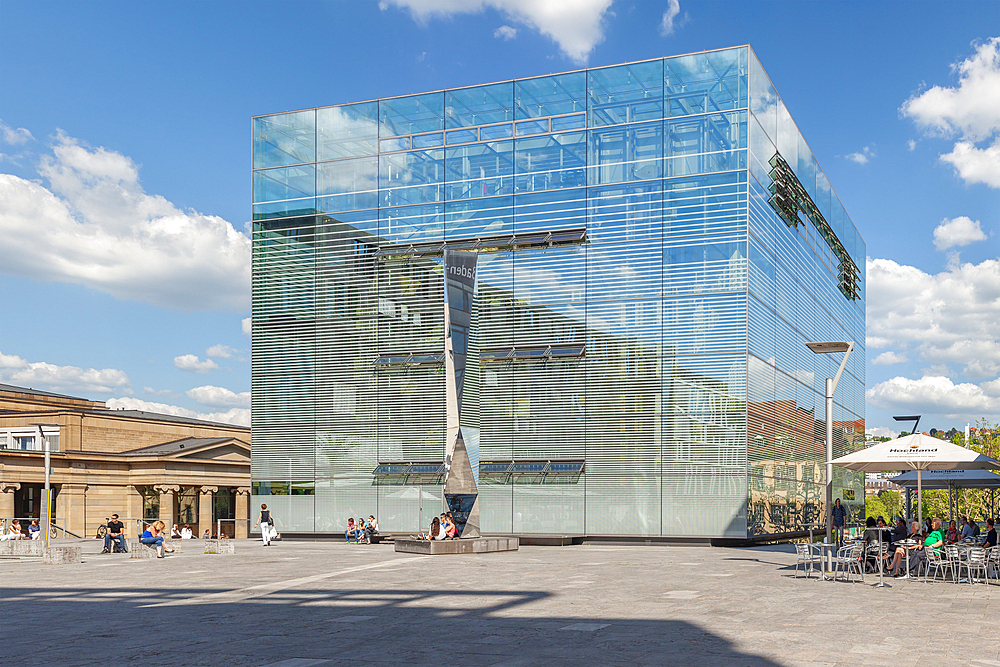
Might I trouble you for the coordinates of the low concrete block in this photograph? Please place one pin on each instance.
(220, 547)
(137, 549)
(62, 555)
(482, 545)
(22, 548)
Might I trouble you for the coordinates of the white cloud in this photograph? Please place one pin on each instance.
(881, 432)
(950, 317)
(158, 392)
(219, 397)
(575, 25)
(96, 226)
(247, 325)
(667, 23)
(889, 358)
(239, 416)
(970, 111)
(958, 231)
(192, 364)
(863, 156)
(911, 145)
(933, 394)
(14, 136)
(221, 351)
(976, 165)
(69, 379)
(505, 32)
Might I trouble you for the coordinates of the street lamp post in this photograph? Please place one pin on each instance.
(46, 509)
(831, 385)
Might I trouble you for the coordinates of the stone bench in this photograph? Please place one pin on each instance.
(220, 547)
(62, 555)
(22, 548)
(137, 549)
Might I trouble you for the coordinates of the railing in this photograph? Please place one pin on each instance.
(25, 521)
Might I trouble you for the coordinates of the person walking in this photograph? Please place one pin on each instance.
(838, 516)
(265, 522)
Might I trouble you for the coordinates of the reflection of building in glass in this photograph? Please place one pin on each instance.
(648, 274)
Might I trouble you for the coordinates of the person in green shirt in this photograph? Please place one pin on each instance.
(933, 540)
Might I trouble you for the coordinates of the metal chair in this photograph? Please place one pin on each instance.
(852, 558)
(976, 562)
(953, 556)
(993, 563)
(805, 555)
(934, 559)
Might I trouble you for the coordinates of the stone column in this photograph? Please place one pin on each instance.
(133, 509)
(242, 512)
(71, 509)
(7, 490)
(168, 498)
(205, 509)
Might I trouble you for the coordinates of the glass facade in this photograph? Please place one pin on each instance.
(656, 244)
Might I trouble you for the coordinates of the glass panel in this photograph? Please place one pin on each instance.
(284, 209)
(393, 145)
(551, 95)
(763, 99)
(347, 131)
(788, 137)
(551, 161)
(479, 217)
(480, 170)
(287, 138)
(354, 182)
(284, 183)
(705, 204)
(428, 140)
(411, 178)
(701, 82)
(480, 105)
(574, 122)
(546, 211)
(531, 127)
(412, 224)
(806, 170)
(495, 132)
(711, 143)
(463, 136)
(625, 93)
(624, 212)
(412, 114)
(626, 153)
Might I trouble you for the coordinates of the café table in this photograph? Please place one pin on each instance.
(826, 556)
(906, 544)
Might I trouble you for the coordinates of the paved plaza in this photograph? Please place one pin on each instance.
(298, 604)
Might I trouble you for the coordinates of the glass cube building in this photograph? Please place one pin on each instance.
(656, 244)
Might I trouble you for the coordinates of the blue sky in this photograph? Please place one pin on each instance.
(125, 168)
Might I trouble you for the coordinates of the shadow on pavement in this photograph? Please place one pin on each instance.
(172, 626)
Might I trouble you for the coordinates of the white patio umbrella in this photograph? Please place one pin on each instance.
(917, 452)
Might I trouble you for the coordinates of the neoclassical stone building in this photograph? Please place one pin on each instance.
(139, 465)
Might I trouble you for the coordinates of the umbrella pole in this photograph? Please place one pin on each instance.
(920, 494)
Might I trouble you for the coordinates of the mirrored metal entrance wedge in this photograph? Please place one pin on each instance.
(461, 460)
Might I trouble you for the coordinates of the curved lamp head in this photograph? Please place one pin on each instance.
(827, 348)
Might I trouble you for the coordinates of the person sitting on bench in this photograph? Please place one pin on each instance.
(116, 531)
(153, 536)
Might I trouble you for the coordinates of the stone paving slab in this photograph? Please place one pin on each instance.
(298, 604)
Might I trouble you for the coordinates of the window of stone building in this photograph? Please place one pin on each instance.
(187, 505)
(150, 504)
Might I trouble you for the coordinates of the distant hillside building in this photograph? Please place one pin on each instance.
(136, 464)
